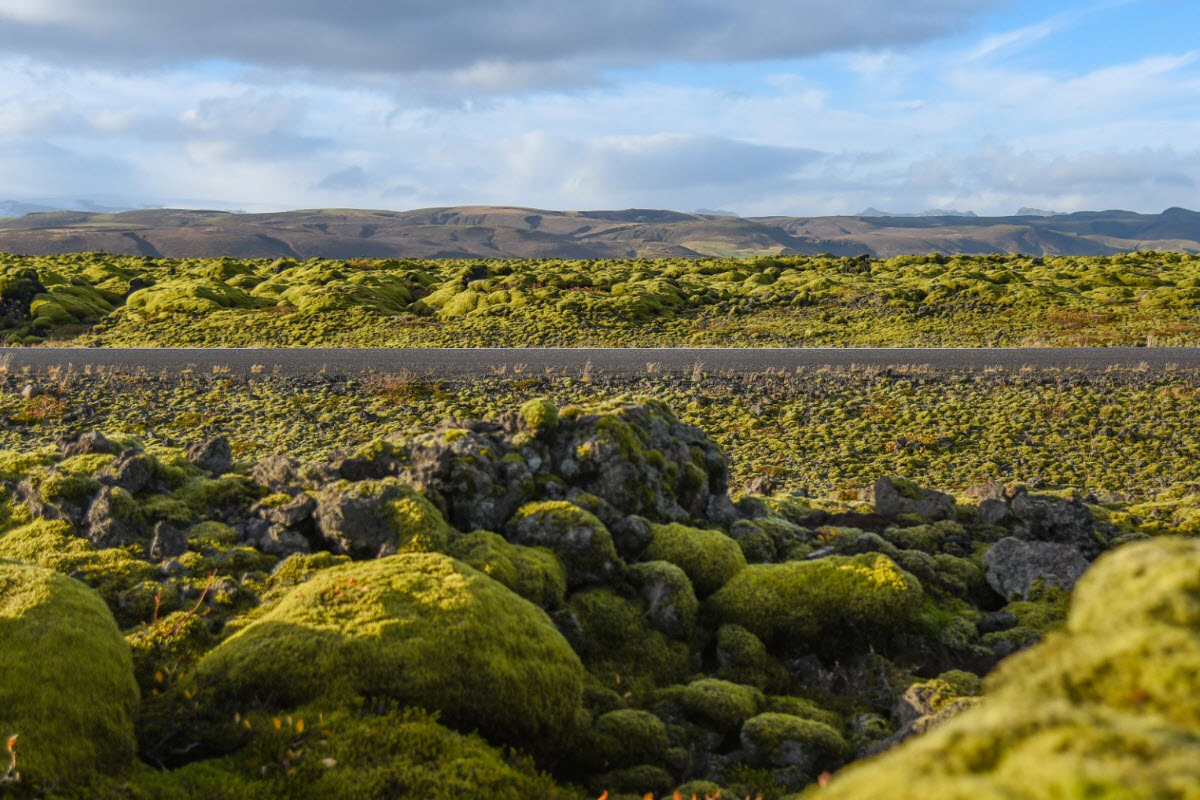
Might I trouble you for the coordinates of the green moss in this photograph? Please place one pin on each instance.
(577, 537)
(297, 568)
(1044, 612)
(743, 658)
(628, 737)
(805, 709)
(58, 487)
(211, 534)
(163, 650)
(535, 573)
(709, 557)
(85, 463)
(906, 488)
(700, 790)
(16, 465)
(619, 646)
(202, 496)
(798, 602)
(51, 544)
(782, 740)
(635, 781)
(66, 679)
(671, 604)
(342, 756)
(540, 416)
(720, 705)
(1105, 708)
(417, 629)
(926, 538)
(419, 526)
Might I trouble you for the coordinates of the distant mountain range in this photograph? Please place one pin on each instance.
(505, 232)
(933, 212)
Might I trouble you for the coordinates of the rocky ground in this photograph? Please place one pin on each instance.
(565, 600)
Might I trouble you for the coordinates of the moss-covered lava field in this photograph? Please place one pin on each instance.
(104, 300)
(561, 586)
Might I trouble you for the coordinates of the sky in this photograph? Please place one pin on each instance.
(792, 107)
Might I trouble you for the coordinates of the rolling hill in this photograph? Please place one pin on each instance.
(508, 232)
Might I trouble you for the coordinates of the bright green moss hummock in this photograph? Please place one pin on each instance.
(1106, 708)
(414, 629)
(66, 679)
(709, 557)
(797, 601)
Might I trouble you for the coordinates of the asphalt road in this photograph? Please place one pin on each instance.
(486, 361)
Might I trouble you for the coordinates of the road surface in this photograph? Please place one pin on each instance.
(532, 361)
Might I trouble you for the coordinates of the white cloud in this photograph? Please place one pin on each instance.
(491, 42)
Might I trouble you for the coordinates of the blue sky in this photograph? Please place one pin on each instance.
(798, 107)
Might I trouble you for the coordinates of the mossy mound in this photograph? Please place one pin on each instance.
(373, 517)
(50, 543)
(628, 737)
(782, 740)
(535, 573)
(719, 704)
(798, 601)
(347, 756)
(1106, 708)
(416, 629)
(575, 535)
(66, 679)
(709, 557)
(620, 647)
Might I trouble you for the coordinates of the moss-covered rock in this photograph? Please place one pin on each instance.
(743, 658)
(1105, 708)
(368, 518)
(783, 740)
(709, 557)
(574, 535)
(66, 679)
(798, 601)
(349, 756)
(540, 416)
(671, 604)
(628, 737)
(720, 705)
(416, 629)
(51, 544)
(535, 573)
(642, 780)
(620, 647)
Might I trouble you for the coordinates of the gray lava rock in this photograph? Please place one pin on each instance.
(1013, 565)
(283, 542)
(893, 497)
(996, 621)
(365, 519)
(1049, 519)
(671, 604)
(86, 443)
(579, 539)
(992, 490)
(112, 519)
(213, 455)
(631, 536)
(167, 542)
(993, 511)
(290, 514)
(277, 473)
(464, 467)
(132, 471)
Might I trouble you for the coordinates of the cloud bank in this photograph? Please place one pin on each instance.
(801, 107)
